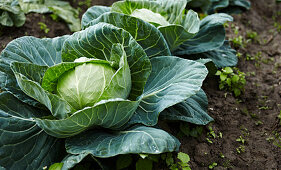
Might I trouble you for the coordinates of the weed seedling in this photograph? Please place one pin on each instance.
(229, 80)
(213, 165)
(88, 3)
(208, 140)
(275, 139)
(252, 35)
(220, 135)
(44, 27)
(241, 139)
(55, 17)
(240, 149)
(181, 164)
(211, 133)
(257, 123)
(238, 41)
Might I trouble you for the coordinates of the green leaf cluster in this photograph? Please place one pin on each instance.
(176, 165)
(232, 80)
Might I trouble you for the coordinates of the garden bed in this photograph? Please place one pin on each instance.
(245, 127)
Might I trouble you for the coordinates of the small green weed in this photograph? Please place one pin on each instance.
(88, 3)
(257, 123)
(209, 140)
(213, 165)
(181, 164)
(241, 139)
(275, 139)
(240, 149)
(277, 26)
(238, 42)
(54, 17)
(229, 80)
(211, 133)
(44, 27)
(145, 161)
(252, 35)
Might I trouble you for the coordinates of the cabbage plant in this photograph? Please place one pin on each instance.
(97, 92)
(11, 13)
(185, 34)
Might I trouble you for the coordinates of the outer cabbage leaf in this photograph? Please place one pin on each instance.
(175, 35)
(93, 13)
(44, 52)
(223, 56)
(193, 110)
(96, 42)
(149, 37)
(237, 6)
(71, 160)
(210, 36)
(11, 14)
(217, 4)
(240, 3)
(138, 139)
(19, 130)
(112, 113)
(172, 81)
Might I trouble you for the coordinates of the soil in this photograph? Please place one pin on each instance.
(253, 115)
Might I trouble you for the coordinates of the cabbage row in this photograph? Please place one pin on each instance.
(12, 12)
(102, 90)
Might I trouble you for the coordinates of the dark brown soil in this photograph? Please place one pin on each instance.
(253, 116)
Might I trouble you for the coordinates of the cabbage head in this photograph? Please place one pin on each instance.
(97, 92)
